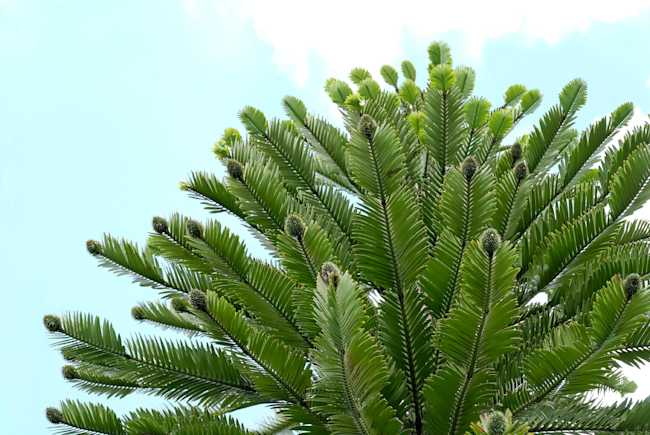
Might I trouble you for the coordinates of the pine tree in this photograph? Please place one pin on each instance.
(423, 277)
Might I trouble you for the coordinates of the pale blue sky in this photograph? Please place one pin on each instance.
(106, 106)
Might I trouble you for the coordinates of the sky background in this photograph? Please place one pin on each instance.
(106, 106)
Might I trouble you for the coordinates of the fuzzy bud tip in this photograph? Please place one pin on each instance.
(496, 424)
(198, 300)
(194, 229)
(69, 372)
(469, 167)
(515, 151)
(93, 247)
(52, 323)
(367, 126)
(490, 241)
(159, 225)
(521, 170)
(137, 313)
(631, 284)
(234, 169)
(54, 415)
(294, 226)
(330, 274)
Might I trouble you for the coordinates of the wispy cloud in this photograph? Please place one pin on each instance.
(339, 34)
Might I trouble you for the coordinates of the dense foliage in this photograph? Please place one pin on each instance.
(422, 276)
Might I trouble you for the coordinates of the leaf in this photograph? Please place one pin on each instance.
(350, 365)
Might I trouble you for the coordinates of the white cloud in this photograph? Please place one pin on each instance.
(341, 34)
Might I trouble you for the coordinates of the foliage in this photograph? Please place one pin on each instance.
(407, 258)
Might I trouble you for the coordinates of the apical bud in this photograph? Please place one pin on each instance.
(234, 169)
(194, 229)
(469, 167)
(159, 225)
(294, 226)
(631, 284)
(93, 247)
(54, 415)
(367, 126)
(52, 323)
(198, 300)
(330, 274)
(490, 241)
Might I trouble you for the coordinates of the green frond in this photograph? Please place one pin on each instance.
(350, 364)
(477, 332)
(79, 418)
(578, 358)
(408, 69)
(214, 195)
(165, 316)
(554, 129)
(445, 130)
(513, 94)
(277, 371)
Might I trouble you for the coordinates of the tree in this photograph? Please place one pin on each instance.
(423, 277)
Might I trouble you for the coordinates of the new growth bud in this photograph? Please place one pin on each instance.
(234, 169)
(330, 274)
(490, 241)
(469, 167)
(198, 300)
(631, 284)
(54, 415)
(194, 229)
(515, 152)
(137, 313)
(367, 126)
(496, 424)
(159, 225)
(52, 323)
(93, 247)
(521, 170)
(69, 372)
(294, 226)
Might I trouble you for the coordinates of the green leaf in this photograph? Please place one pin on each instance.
(389, 74)
(408, 70)
(439, 53)
(350, 364)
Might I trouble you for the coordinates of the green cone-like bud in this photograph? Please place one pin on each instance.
(294, 226)
(198, 300)
(353, 101)
(52, 323)
(195, 229)
(234, 169)
(515, 151)
(159, 225)
(179, 304)
(69, 372)
(137, 313)
(367, 126)
(490, 241)
(496, 424)
(330, 274)
(469, 167)
(521, 170)
(54, 415)
(93, 247)
(631, 284)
